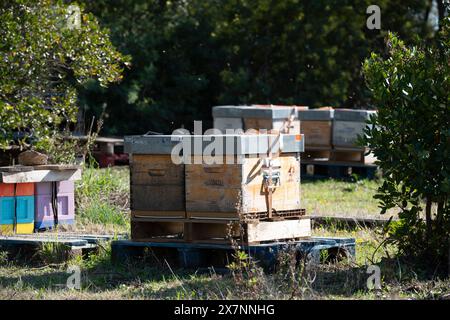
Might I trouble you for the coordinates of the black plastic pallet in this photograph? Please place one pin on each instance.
(69, 244)
(218, 256)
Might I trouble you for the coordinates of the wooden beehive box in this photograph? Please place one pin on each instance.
(235, 187)
(316, 126)
(157, 184)
(347, 125)
(257, 117)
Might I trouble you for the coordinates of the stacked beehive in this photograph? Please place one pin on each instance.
(316, 125)
(332, 134)
(16, 208)
(283, 119)
(54, 204)
(347, 126)
(251, 191)
(36, 198)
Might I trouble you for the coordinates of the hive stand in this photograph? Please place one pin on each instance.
(66, 245)
(218, 256)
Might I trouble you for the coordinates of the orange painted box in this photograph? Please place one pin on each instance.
(22, 189)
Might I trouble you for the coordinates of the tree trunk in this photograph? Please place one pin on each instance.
(427, 13)
(441, 11)
(440, 212)
(428, 219)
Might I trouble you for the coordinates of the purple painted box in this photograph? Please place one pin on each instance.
(43, 204)
(46, 188)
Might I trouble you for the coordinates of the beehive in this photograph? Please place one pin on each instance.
(16, 208)
(316, 126)
(63, 195)
(347, 125)
(236, 187)
(157, 183)
(281, 118)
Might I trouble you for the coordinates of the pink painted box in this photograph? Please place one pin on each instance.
(44, 216)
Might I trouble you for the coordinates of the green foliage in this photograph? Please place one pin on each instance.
(191, 55)
(43, 61)
(411, 138)
(102, 197)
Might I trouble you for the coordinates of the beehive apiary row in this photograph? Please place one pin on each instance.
(217, 177)
(323, 127)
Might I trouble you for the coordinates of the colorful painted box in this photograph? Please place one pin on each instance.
(22, 189)
(44, 214)
(19, 210)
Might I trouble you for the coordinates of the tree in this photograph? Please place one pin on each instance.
(47, 52)
(191, 55)
(410, 136)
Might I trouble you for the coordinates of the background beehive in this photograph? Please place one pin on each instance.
(347, 125)
(281, 118)
(316, 125)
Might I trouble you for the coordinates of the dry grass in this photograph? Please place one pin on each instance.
(140, 280)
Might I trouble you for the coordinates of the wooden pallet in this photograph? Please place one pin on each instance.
(198, 255)
(65, 245)
(316, 169)
(207, 230)
(336, 154)
(262, 215)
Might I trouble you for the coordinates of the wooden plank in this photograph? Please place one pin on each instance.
(336, 163)
(40, 176)
(58, 167)
(212, 216)
(277, 230)
(18, 168)
(157, 214)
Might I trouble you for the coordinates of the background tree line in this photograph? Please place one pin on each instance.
(190, 55)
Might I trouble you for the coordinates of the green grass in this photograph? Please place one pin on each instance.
(102, 200)
(143, 280)
(341, 198)
(103, 206)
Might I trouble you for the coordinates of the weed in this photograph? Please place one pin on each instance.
(3, 258)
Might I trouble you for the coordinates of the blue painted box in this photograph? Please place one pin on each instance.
(21, 208)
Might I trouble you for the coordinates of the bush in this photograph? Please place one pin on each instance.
(410, 136)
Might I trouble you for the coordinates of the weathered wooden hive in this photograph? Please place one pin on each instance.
(235, 186)
(157, 183)
(347, 125)
(281, 118)
(316, 126)
(217, 179)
